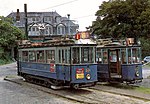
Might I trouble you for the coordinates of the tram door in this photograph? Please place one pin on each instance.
(114, 63)
(63, 55)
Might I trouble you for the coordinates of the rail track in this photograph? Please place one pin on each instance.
(92, 95)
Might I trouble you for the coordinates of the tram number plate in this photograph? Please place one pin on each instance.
(80, 73)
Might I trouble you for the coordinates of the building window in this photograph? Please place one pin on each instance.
(48, 19)
(35, 19)
(33, 29)
(61, 30)
(37, 29)
(48, 30)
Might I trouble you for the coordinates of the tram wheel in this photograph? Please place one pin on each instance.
(55, 82)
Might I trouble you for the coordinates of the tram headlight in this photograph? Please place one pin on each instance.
(137, 71)
(88, 76)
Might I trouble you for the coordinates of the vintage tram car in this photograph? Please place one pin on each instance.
(59, 62)
(119, 61)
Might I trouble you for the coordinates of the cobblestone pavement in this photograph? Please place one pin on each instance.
(11, 93)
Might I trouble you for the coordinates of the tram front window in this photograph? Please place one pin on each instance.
(98, 56)
(82, 55)
(134, 56)
(75, 55)
(87, 55)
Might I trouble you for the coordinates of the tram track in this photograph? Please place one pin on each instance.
(64, 93)
(90, 95)
(119, 91)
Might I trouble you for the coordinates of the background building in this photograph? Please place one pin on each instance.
(45, 23)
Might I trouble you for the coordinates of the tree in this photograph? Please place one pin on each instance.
(123, 18)
(145, 44)
(8, 36)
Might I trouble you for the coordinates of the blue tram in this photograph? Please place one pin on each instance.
(59, 62)
(119, 62)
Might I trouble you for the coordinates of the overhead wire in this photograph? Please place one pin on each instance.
(84, 16)
(68, 3)
(61, 4)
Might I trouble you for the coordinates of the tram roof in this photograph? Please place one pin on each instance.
(110, 43)
(117, 45)
(56, 43)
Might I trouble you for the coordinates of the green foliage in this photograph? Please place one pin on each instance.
(4, 57)
(123, 18)
(8, 36)
(145, 43)
(143, 89)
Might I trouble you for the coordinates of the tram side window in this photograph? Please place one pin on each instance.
(105, 56)
(20, 55)
(75, 55)
(136, 55)
(64, 55)
(32, 56)
(59, 56)
(123, 57)
(40, 56)
(67, 56)
(50, 54)
(25, 56)
(98, 56)
(129, 56)
(87, 55)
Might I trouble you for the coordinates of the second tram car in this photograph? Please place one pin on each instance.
(64, 62)
(119, 62)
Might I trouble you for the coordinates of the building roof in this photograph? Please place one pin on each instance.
(30, 14)
(39, 14)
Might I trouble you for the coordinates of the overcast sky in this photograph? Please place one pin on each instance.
(82, 11)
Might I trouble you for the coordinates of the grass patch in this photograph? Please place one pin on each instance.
(148, 77)
(147, 65)
(121, 86)
(130, 87)
(143, 89)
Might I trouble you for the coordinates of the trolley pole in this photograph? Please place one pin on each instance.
(68, 24)
(26, 21)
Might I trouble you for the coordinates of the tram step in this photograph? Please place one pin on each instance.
(115, 75)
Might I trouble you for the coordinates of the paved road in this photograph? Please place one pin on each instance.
(11, 93)
(146, 76)
(146, 72)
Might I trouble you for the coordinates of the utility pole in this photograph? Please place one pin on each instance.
(26, 21)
